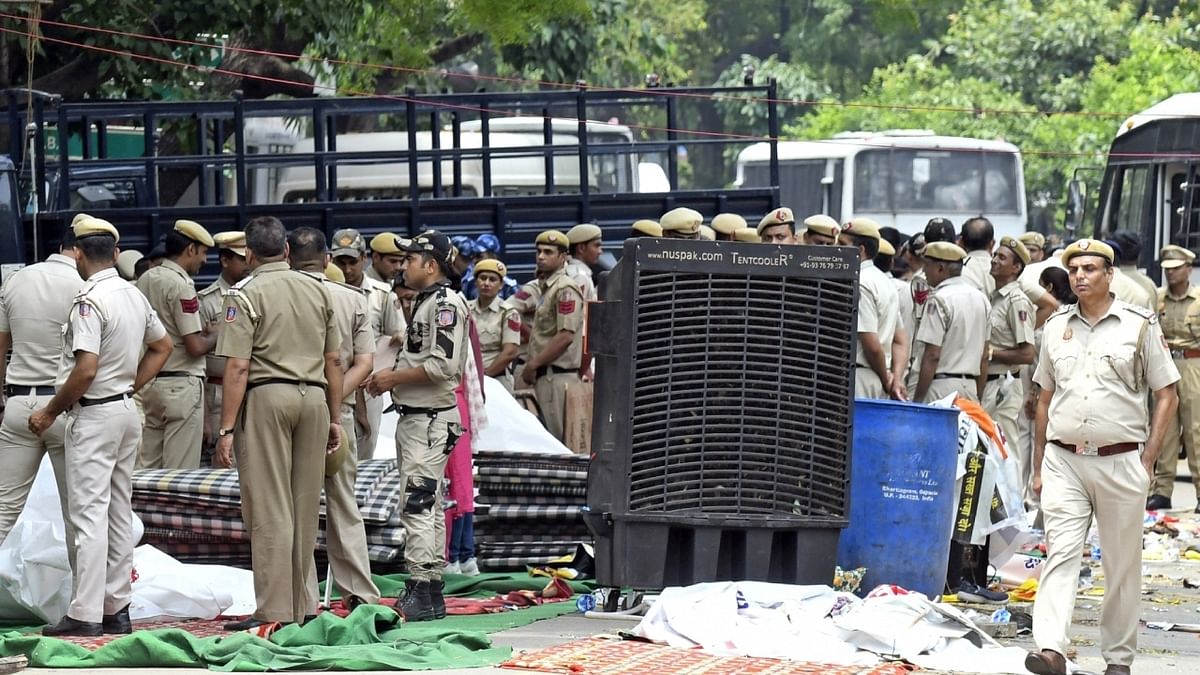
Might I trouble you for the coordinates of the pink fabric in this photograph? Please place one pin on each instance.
(469, 398)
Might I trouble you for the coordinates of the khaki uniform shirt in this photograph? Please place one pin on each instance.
(1099, 374)
(384, 317)
(283, 321)
(1140, 278)
(354, 330)
(956, 319)
(497, 324)
(373, 273)
(1180, 318)
(212, 304)
(437, 342)
(977, 271)
(581, 274)
(560, 308)
(172, 294)
(1127, 289)
(111, 319)
(1010, 323)
(878, 309)
(907, 308)
(34, 305)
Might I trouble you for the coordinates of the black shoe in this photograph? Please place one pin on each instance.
(71, 627)
(118, 623)
(1197, 510)
(969, 592)
(247, 624)
(437, 599)
(415, 604)
(1158, 503)
(308, 618)
(353, 602)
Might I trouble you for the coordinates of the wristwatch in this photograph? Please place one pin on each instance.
(224, 432)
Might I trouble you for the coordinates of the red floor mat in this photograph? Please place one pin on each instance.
(201, 628)
(600, 656)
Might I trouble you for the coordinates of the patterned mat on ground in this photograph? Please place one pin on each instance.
(604, 656)
(201, 628)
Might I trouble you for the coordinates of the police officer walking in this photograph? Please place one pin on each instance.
(102, 365)
(951, 342)
(556, 344)
(34, 306)
(1179, 316)
(422, 383)
(345, 535)
(174, 401)
(231, 251)
(282, 343)
(1094, 452)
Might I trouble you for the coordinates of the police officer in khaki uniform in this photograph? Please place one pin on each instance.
(1179, 316)
(878, 313)
(498, 324)
(231, 251)
(586, 247)
(748, 235)
(778, 227)
(174, 401)
(102, 364)
(345, 535)
(951, 344)
(386, 257)
(1012, 346)
(820, 230)
(726, 225)
(645, 228)
(1035, 243)
(283, 397)
(556, 345)
(34, 305)
(681, 223)
(422, 383)
(1094, 449)
(349, 251)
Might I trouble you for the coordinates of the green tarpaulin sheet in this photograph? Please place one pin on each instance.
(372, 638)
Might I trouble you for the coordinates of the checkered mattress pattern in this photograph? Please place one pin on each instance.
(196, 516)
(529, 508)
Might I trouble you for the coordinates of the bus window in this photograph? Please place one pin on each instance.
(964, 182)
(1185, 213)
(1131, 188)
(873, 181)
(999, 181)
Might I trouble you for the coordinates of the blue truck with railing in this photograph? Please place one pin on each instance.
(584, 153)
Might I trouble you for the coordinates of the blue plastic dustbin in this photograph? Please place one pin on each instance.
(902, 496)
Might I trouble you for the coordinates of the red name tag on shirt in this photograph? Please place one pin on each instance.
(190, 306)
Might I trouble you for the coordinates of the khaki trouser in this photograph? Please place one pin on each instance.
(345, 534)
(285, 428)
(551, 393)
(1184, 430)
(366, 442)
(21, 454)
(963, 386)
(1003, 399)
(423, 443)
(101, 448)
(174, 428)
(213, 395)
(867, 384)
(1074, 489)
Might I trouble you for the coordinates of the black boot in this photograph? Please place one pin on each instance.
(73, 627)
(118, 622)
(436, 599)
(415, 603)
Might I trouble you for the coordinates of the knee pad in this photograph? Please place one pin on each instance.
(420, 494)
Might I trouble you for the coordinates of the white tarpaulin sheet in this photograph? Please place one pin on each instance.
(818, 624)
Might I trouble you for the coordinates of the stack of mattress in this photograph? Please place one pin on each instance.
(196, 515)
(529, 508)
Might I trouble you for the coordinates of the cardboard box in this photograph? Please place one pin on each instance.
(577, 423)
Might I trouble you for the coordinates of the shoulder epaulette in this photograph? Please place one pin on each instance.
(1062, 310)
(1140, 311)
(242, 284)
(214, 288)
(340, 284)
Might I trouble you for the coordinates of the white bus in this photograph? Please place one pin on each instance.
(900, 178)
(1151, 183)
(517, 162)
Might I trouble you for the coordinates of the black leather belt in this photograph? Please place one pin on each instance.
(412, 410)
(546, 370)
(22, 390)
(174, 373)
(283, 380)
(85, 402)
(954, 376)
(996, 376)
